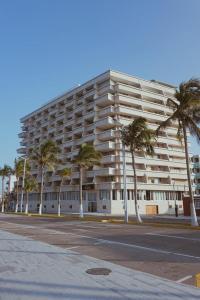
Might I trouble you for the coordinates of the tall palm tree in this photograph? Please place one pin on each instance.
(87, 157)
(4, 172)
(138, 137)
(45, 156)
(10, 173)
(30, 185)
(18, 172)
(186, 112)
(66, 172)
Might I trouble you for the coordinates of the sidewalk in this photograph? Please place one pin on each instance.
(35, 270)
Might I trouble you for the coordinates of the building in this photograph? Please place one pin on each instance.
(196, 173)
(93, 113)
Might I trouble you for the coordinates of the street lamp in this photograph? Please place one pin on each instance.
(175, 203)
(124, 181)
(23, 179)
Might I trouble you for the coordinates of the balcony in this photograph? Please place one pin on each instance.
(108, 159)
(133, 112)
(101, 172)
(127, 89)
(106, 135)
(104, 100)
(89, 138)
(68, 143)
(180, 175)
(78, 129)
(105, 123)
(123, 99)
(104, 147)
(174, 152)
(106, 111)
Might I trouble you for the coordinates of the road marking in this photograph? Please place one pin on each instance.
(88, 226)
(72, 247)
(184, 279)
(136, 246)
(173, 236)
(80, 229)
(128, 245)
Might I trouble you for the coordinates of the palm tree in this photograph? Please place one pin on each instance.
(30, 185)
(138, 137)
(4, 172)
(45, 156)
(87, 157)
(186, 112)
(10, 173)
(66, 172)
(18, 172)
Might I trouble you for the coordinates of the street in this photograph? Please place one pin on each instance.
(166, 252)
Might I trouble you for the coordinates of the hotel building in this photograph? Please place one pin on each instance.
(196, 173)
(93, 113)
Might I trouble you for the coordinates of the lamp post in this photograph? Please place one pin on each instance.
(23, 179)
(124, 181)
(175, 203)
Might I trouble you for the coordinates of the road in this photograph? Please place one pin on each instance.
(166, 252)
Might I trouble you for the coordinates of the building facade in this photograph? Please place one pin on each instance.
(196, 173)
(93, 113)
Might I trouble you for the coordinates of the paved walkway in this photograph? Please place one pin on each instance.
(35, 270)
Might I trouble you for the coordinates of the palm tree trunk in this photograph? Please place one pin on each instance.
(59, 201)
(135, 188)
(194, 221)
(2, 203)
(41, 191)
(17, 202)
(81, 193)
(26, 209)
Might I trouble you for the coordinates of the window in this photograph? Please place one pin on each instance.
(114, 196)
(104, 195)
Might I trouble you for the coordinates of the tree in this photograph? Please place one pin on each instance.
(18, 172)
(4, 172)
(138, 137)
(45, 156)
(186, 112)
(30, 185)
(66, 172)
(87, 157)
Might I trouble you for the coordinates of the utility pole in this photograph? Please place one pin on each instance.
(124, 181)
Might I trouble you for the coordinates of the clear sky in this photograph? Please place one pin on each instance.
(49, 46)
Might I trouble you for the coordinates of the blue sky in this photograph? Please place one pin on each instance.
(49, 46)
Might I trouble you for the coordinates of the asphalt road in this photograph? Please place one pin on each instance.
(167, 252)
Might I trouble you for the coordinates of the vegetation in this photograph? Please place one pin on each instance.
(87, 157)
(18, 172)
(4, 172)
(186, 113)
(45, 156)
(30, 185)
(66, 172)
(138, 137)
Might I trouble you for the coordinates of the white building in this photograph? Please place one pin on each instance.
(92, 113)
(196, 173)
